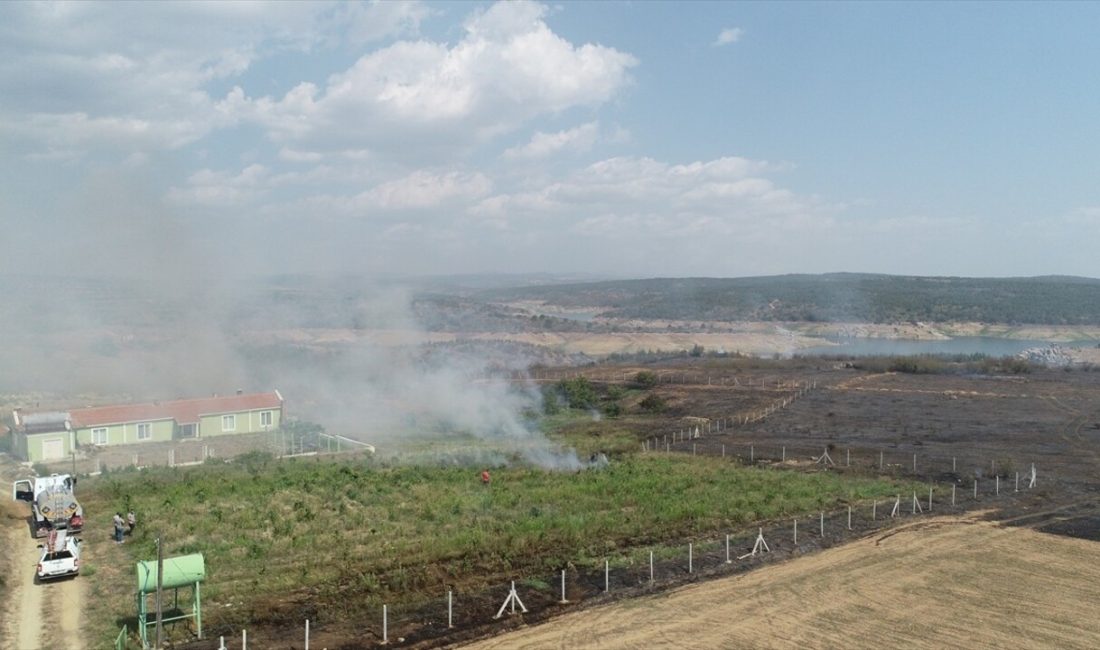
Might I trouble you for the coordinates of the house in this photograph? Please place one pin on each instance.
(55, 435)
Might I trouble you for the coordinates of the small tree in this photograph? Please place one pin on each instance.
(645, 379)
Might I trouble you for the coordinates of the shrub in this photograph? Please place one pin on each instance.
(578, 392)
(652, 404)
(645, 379)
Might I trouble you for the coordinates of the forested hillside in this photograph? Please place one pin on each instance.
(833, 297)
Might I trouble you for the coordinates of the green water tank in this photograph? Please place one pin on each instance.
(179, 571)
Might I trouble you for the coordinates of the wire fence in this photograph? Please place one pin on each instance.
(639, 571)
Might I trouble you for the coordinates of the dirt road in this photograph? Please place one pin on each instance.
(944, 582)
(37, 616)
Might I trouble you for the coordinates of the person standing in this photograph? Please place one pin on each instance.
(131, 521)
(118, 527)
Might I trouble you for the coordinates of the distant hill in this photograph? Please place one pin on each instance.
(834, 297)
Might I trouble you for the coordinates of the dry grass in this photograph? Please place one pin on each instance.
(947, 582)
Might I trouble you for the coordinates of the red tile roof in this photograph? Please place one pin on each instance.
(184, 411)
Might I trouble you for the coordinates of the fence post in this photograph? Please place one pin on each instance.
(997, 485)
(914, 463)
(691, 558)
(796, 532)
(307, 634)
(874, 511)
(823, 524)
(563, 600)
(929, 498)
(1017, 482)
(606, 576)
(848, 457)
(952, 495)
(651, 566)
(880, 460)
(975, 488)
(752, 454)
(450, 609)
(385, 626)
(244, 639)
(727, 549)
(849, 517)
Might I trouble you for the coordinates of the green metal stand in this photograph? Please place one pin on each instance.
(183, 572)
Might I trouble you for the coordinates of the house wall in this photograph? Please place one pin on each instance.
(33, 445)
(19, 444)
(247, 422)
(126, 434)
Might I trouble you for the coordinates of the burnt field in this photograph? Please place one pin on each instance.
(961, 427)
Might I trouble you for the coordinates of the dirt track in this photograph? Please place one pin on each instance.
(37, 615)
(943, 582)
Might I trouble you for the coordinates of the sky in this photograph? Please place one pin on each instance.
(617, 139)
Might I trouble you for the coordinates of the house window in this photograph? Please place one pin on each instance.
(265, 418)
(99, 436)
(144, 431)
(229, 423)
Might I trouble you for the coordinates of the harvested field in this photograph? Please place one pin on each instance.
(943, 582)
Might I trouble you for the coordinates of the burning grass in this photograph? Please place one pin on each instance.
(345, 536)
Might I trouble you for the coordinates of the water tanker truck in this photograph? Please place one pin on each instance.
(53, 503)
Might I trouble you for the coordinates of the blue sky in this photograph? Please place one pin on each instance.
(624, 139)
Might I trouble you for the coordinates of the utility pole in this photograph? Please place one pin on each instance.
(160, 583)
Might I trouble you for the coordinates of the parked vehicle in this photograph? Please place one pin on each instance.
(60, 556)
(53, 504)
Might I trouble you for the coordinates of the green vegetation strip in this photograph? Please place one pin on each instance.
(346, 536)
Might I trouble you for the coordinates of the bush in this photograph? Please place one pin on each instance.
(578, 392)
(612, 409)
(550, 403)
(645, 379)
(652, 404)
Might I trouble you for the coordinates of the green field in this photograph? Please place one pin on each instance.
(347, 535)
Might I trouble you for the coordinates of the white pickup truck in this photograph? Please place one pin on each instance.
(60, 556)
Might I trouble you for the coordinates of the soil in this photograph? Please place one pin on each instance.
(941, 582)
(46, 615)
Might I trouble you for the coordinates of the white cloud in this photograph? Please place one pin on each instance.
(728, 35)
(656, 198)
(424, 189)
(222, 189)
(542, 145)
(294, 155)
(508, 68)
(377, 20)
(449, 192)
(70, 77)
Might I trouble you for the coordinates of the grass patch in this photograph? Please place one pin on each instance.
(350, 535)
